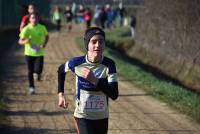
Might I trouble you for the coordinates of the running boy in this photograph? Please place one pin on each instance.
(57, 17)
(34, 37)
(96, 80)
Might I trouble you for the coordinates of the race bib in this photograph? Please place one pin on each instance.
(92, 103)
(35, 48)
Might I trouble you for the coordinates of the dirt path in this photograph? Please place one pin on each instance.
(133, 113)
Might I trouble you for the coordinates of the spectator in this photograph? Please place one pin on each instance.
(68, 16)
(102, 18)
(109, 14)
(97, 16)
(80, 14)
(74, 10)
(121, 14)
(88, 17)
(133, 24)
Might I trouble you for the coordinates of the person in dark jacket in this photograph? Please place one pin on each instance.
(133, 24)
(88, 17)
(68, 16)
(102, 18)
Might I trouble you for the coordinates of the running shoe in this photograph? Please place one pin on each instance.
(31, 90)
(37, 76)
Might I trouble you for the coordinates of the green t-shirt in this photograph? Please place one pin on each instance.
(56, 16)
(36, 35)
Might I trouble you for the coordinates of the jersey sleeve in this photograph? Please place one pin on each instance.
(109, 85)
(112, 73)
(24, 33)
(25, 19)
(45, 31)
(62, 70)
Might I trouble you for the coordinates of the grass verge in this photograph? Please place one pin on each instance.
(159, 87)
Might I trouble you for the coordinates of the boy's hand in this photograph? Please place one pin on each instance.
(62, 101)
(23, 41)
(43, 46)
(89, 75)
(26, 41)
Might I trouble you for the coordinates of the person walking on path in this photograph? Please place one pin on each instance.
(68, 16)
(102, 17)
(96, 16)
(88, 17)
(133, 24)
(25, 18)
(96, 81)
(121, 14)
(80, 14)
(109, 14)
(34, 37)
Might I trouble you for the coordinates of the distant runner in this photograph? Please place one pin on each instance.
(34, 37)
(96, 81)
(25, 19)
(68, 16)
(57, 17)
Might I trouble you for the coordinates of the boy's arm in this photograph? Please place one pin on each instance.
(46, 37)
(23, 41)
(46, 40)
(109, 85)
(22, 26)
(61, 78)
(109, 88)
(23, 37)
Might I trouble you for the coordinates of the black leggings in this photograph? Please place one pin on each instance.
(35, 65)
(86, 126)
(88, 24)
(58, 25)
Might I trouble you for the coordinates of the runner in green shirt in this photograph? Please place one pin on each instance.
(34, 37)
(57, 17)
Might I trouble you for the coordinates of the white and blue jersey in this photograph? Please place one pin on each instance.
(91, 100)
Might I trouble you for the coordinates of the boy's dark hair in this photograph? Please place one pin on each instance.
(31, 4)
(90, 32)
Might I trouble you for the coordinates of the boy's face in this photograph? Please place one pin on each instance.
(33, 19)
(67, 8)
(30, 9)
(96, 44)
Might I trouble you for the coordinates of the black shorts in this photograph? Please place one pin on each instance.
(86, 126)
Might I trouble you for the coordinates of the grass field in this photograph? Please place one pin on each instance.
(143, 77)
